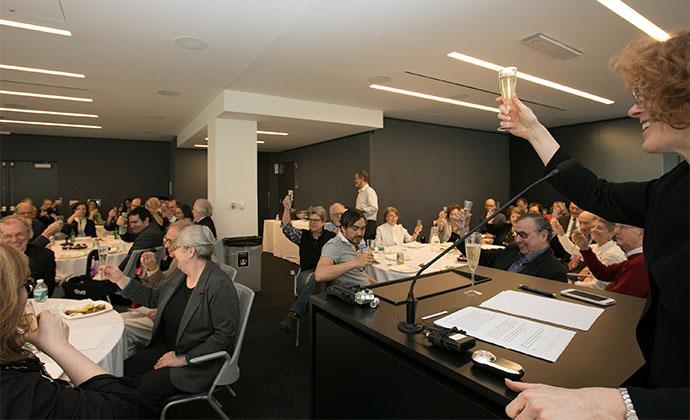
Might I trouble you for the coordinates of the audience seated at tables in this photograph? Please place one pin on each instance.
(172, 210)
(585, 220)
(340, 260)
(138, 325)
(94, 212)
(136, 202)
(558, 210)
(78, 223)
(40, 233)
(628, 277)
(202, 210)
(506, 232)
(126, 205)
(335, 211)
(153, 205)
(145, 234)
(605, 249)
(367, 202)
(111, 219)
(454, 224)
(490, 207)
(26, 390)
(536, 208)
(530, 254)
(391, 233)
(198, 315)
(45, 212)
(310, 242)
(183, 211)
(16, 231)
(522, 203)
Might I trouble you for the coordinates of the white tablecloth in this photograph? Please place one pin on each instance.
(275, 242)
(386, 269)
(70, 263)
(109, 353)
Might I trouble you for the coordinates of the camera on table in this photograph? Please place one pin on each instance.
(353, 295)
(366, 296)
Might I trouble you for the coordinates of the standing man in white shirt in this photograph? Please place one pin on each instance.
(367, 202)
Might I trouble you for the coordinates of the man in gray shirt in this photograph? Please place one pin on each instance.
(340, 261)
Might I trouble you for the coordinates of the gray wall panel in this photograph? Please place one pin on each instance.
(97, 168)
(325, 171)
(611, 149)
(190, 175)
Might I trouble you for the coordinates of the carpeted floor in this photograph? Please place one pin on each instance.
(274, 374)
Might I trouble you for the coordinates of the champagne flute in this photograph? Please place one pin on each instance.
(507, 80)
(473, 250)
(103, 251)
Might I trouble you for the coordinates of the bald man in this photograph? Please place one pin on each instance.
(335, 212)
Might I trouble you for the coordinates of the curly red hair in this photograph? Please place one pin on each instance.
(659, 70)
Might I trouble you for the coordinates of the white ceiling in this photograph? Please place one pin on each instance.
(323, 51)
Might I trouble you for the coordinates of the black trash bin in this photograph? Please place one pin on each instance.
(244, 254)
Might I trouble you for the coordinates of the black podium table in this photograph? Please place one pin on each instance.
(364, 367)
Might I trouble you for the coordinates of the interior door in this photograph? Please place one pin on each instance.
(34, 180)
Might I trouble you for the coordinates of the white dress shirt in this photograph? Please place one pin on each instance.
(368, 201)
(390, 235)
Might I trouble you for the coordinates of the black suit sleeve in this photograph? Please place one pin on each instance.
(624, 202)
(90, 229)
(662, 403)
(40, 241)
(50, 275)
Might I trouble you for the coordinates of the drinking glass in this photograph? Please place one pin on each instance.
(473, 249)
(102, 257)
(507, 80)
(29, 323)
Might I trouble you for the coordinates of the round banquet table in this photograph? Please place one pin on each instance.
(70, 263)
(98, 337)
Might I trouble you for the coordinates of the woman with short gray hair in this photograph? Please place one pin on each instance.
(198, 315)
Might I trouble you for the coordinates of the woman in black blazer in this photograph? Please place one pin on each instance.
(656, 73)
(198, 314)
(79, 223)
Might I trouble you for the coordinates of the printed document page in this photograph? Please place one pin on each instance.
(522, 335)
(541, 308)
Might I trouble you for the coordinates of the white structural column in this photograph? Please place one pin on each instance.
(232, 176)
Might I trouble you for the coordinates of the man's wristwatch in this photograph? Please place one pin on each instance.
(630, 413)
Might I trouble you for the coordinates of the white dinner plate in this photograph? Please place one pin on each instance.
(407, 269)
(413, 245)
(79, 303)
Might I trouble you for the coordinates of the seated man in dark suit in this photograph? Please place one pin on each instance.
(530, 253)
(16, 231)
(202, 211)
(144, 234)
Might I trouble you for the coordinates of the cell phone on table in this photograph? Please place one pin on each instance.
(588, 297)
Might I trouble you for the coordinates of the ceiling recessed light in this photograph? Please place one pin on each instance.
(42, 71)
(41, 95)
(260, 141)
(206, 138)
(530, 78)
(378, 80)
(201, 146)
(272, 133)
(166, 92)
(636, 19)
(36, 111)
(434, 98)
(190, 43)
(3, 121)
(31, 27)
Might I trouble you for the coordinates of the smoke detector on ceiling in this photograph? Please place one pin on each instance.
(552, 47)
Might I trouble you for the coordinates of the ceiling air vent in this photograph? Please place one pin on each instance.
(551, 46)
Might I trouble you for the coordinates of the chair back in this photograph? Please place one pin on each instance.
(229, 270)
(132, 262)
(230, 371)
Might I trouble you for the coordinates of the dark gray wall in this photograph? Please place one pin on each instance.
(611, 149)
(325, 171)
(190, 179)
(416, 167)
(96, 168)
(419, 168)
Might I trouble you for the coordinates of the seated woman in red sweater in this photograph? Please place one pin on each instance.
(628, 277)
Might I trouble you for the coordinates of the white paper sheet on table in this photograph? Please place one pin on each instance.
(522, 335)
(88, 338)
(546, 309)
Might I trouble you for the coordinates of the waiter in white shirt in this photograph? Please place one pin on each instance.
(367, 202)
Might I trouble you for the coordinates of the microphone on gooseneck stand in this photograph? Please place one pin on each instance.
(409, 326)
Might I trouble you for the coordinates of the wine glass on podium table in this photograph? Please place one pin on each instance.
(473, 250)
